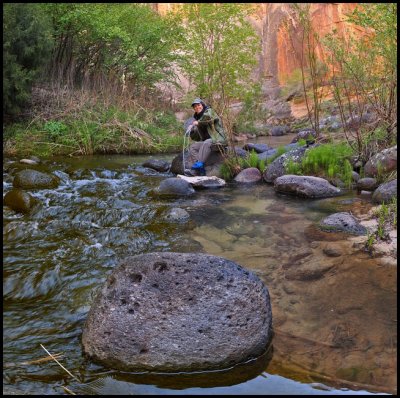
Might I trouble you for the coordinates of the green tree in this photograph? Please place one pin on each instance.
(364, 70)
(128, 41)
(220, 48)
(26, 48)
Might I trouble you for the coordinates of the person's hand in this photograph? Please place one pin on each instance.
(195, 123)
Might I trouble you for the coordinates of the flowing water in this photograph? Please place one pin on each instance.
(334, 308)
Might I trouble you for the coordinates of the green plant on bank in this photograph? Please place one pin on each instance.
(328, 160)
(55, 128)
(370, 242)
(96, 130)
(231, 166)
(387, 219)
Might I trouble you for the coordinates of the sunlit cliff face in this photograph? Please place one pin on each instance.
(281, 52)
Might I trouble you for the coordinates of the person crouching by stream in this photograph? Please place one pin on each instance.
(206, 130)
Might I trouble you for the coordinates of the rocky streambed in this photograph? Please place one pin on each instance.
(333, 304)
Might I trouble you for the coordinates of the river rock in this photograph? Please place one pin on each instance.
(156, 164)
(385, 192)
(19, 200)
(382, 163)
(29, 161)
(307, 134)
(174, 312)
(305, 186)
(267, 154)
(355, 177)
(310, 270)
(31, 179)
(176, 214)
(249, 175)
(258, 148)
(204, 181)
(277, 167)
(212, 165)
(367, 184)
(277, 131)
(342, 222)
(174, 187)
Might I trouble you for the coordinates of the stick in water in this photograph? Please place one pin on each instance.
(60, 364)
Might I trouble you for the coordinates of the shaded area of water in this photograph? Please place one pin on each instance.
(334, 317)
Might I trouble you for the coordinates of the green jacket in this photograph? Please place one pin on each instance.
(212, 123)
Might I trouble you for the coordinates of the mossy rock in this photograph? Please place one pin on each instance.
(32, 179)
(19, 200)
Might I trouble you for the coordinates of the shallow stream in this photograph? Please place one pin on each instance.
(334, 307)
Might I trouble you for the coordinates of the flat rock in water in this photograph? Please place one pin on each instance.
(175, 312)
(203, 181)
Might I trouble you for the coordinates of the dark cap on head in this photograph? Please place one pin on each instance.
(197, 101)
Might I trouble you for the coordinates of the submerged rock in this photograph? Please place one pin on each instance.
(178, 312)
(177, 214)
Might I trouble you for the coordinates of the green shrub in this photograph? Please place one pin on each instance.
(329, 161)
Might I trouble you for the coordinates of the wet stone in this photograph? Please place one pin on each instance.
(157, 164)
(331, 252)
(19, 200)
(178, 312)
(342, 222)
(31, 179)
(174, 187)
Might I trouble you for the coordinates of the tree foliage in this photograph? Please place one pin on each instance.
(130, 41)
(365, 69)
(26, 49)
(220, 48)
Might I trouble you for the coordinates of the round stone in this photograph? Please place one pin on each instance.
(178, 312)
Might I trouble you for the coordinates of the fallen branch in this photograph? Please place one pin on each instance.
(52, 356)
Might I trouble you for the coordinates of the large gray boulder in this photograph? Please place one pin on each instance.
(305, 186)
(32, 179)
(177, 312)
(382, 163)
(278, 167)
(385, 192)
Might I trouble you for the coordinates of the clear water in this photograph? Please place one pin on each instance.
(335, 318)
